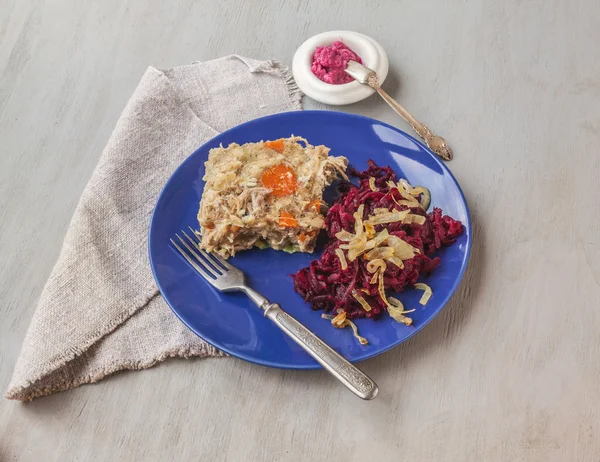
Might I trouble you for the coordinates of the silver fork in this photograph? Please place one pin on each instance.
(227, 278)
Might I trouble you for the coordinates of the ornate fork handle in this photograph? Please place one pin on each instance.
(345, 372)
(436, 143)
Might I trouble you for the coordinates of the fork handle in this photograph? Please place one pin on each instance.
(355, 380)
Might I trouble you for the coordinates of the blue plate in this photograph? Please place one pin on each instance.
(231, 322)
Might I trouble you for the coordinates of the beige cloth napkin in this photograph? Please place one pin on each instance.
(101, 311)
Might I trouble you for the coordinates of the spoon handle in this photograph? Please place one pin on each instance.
(436, 143)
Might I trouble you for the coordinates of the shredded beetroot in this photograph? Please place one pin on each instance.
(326, 286)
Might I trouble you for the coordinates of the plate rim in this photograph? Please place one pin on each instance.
(316, 365)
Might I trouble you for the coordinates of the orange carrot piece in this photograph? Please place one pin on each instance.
(277, 145)
(281, 179)
(314, 206)
(287, 220)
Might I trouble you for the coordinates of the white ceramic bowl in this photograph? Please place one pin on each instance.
(371, 53)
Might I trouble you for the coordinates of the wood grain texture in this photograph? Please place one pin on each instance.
(509, 371)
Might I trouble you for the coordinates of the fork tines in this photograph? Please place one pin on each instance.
(211, 266)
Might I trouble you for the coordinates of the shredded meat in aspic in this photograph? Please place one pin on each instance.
(266, 194)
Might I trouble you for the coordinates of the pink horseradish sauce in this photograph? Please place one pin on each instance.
(329, 62)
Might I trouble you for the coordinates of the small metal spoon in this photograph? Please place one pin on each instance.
(368, 76)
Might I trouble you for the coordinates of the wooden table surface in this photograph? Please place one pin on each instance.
(509, 371)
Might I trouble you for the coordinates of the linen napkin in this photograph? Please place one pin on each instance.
(100, 311)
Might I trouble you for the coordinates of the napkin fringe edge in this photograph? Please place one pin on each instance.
(28, 393)
(294, 91)
(65, 357)
(270, 65)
